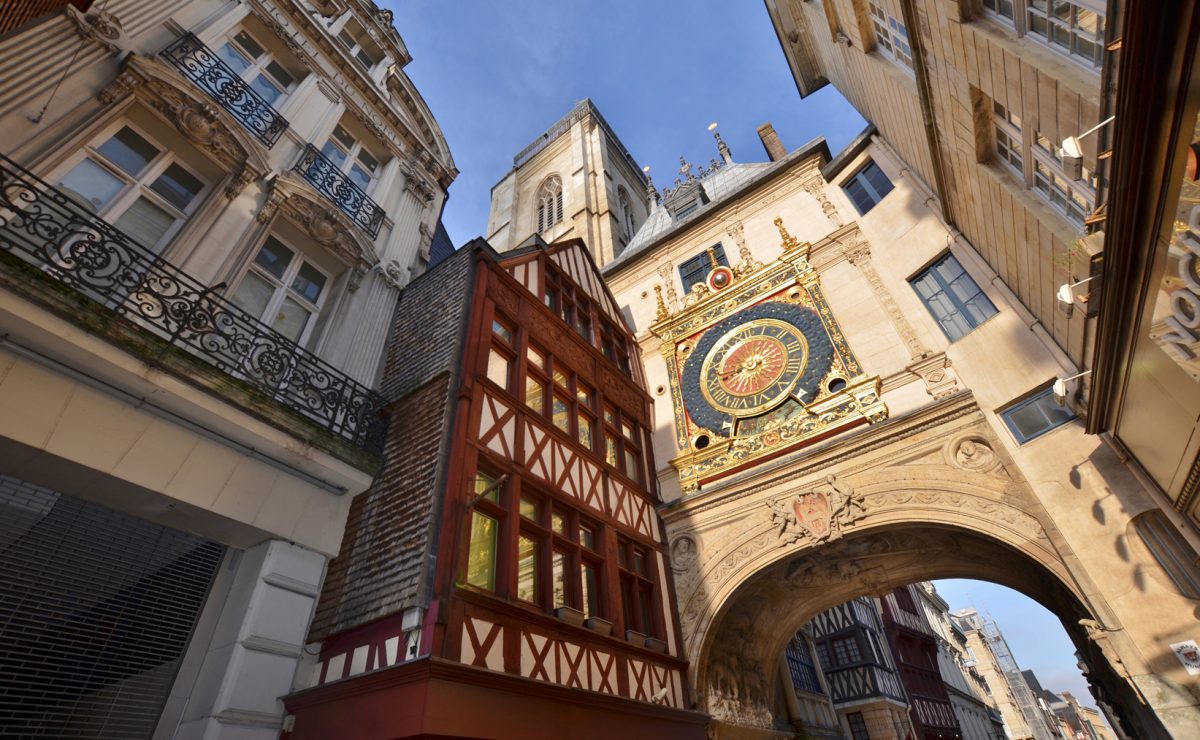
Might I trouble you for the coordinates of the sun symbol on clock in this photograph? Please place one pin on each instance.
(753, 365)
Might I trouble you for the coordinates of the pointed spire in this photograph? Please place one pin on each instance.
(722, 147)
(788, 241)
(651, 191)
(662, 307)
(685, 169)
(712, 257)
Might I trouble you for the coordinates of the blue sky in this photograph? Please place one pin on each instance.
(497, 74)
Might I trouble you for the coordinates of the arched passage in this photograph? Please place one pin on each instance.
(927, 498)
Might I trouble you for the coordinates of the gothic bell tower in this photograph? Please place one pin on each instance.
(575, 180)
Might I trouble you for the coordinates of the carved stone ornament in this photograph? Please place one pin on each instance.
(737, 685)
(415, 183)
(818, 515)
(392, 273)
(207, 126)
(746, 263)
(684, 552)
(816, 188)
(426, 241)
(324, 222)
(973, 453)
(100, 26)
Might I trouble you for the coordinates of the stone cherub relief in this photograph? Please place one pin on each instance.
(818, 515)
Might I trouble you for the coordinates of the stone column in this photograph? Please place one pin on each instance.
(256, 646)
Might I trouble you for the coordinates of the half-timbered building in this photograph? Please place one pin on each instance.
(506, 576)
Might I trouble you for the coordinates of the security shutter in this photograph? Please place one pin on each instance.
(96, 608)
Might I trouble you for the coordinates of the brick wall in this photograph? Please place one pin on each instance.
(385, 558)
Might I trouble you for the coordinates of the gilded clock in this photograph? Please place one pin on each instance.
(752, 361)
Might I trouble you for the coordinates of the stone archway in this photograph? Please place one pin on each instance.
(927, 496)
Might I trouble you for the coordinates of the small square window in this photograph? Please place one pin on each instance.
(867, 187)
(1036, 415)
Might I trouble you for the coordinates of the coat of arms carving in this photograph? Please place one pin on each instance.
(817, 515)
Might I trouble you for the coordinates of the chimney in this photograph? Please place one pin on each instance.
(771, 142)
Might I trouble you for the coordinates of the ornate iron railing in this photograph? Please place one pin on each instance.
(343, 192)
(202, 66)
(50, 230)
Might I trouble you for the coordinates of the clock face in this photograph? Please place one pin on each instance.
(753, 367)
(753, 361)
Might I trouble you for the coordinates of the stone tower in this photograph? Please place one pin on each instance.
(574, 180)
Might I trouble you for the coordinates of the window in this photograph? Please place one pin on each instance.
(1001, 8)
(953, 297)
(351, 157)
(549, 204)
(867, 187)
(282, 289)
(904, 600)
(1036, 415)
(502, 354)
(570, 303)
(1071, 197)
(1171, 551)
(845, 651)
(1069, 27)
(696, 269)
(485, 529)
(891, 36)
(622, 443)
(626, 208)
(558, 546)
(258, 68)
(638, 595)
(358, 42)
(858, 726)
(801, 667)
(1009, 145)
(135, 184)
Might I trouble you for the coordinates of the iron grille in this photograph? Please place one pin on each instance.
(96, 609)
(343, 192)
(199, 64)
(43, 226)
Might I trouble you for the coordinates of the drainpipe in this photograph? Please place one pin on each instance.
(925, 96)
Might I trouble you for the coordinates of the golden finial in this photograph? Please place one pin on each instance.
(789, 241)
(712, 257)
(662, 307)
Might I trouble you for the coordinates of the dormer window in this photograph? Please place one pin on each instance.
(549, 204)
(359, 43)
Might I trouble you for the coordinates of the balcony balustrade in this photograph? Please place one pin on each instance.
(343, 192)
(62, 240)
(202, 66)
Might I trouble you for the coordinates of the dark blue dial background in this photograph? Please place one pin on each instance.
(806, 321)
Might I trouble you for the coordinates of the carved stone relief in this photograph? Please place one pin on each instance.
(818, 515)
(100, 26)
(815, 186)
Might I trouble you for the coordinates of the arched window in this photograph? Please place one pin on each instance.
(626, 209)
(549, 204)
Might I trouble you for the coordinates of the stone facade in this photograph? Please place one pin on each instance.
(194, 309)
(603, 193)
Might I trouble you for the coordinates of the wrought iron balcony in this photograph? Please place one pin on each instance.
(61, 240)
(325, 176)
(202, 66)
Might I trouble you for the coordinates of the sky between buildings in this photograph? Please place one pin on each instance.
(498, 74)
(1036, 637)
